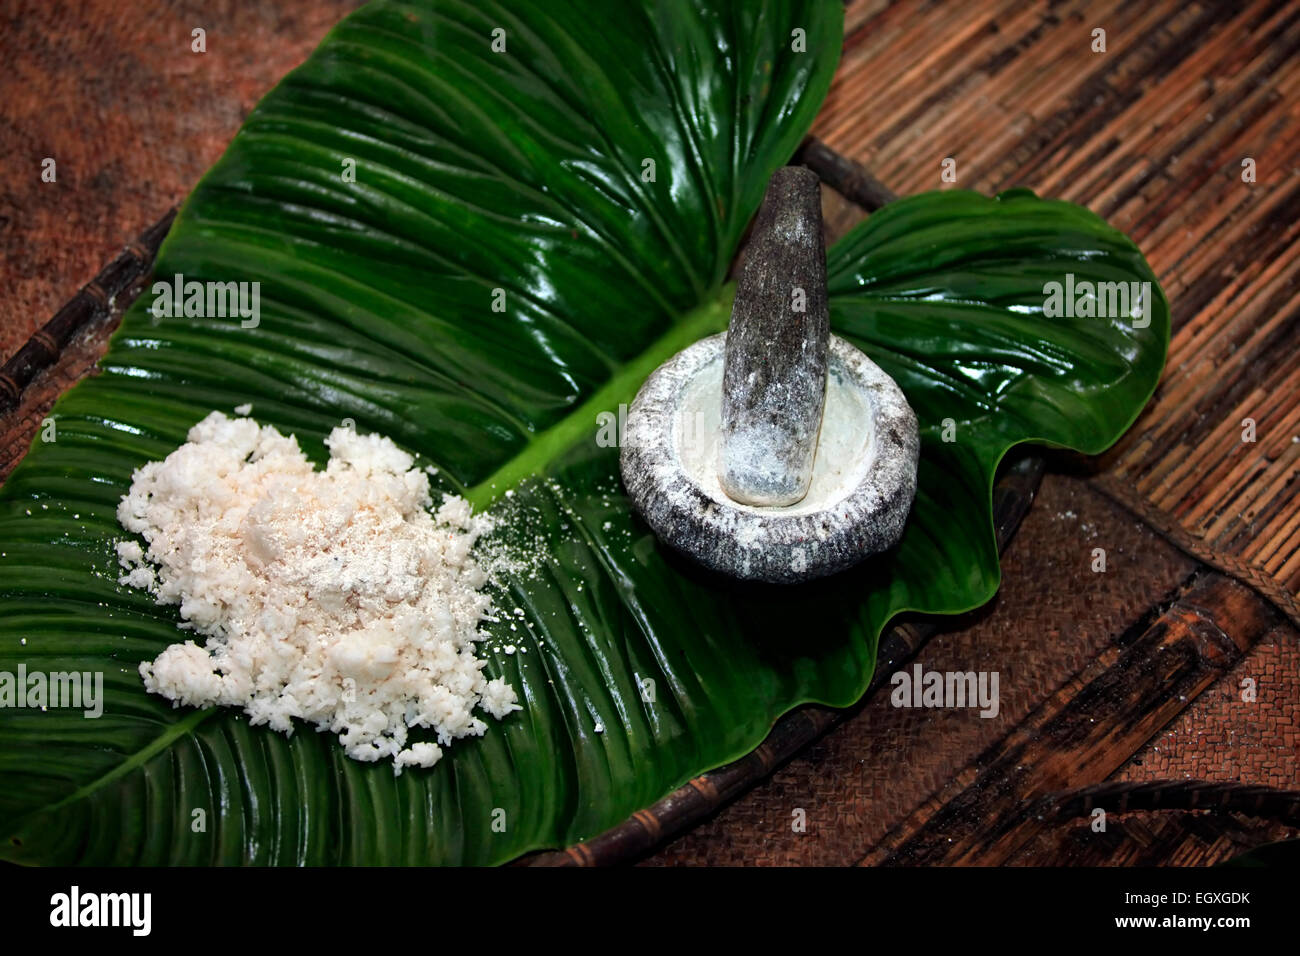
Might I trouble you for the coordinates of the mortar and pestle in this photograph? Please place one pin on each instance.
(775, 451)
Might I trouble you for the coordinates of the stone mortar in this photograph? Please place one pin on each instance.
(864, 476)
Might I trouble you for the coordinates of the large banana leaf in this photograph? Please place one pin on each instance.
(525, 171)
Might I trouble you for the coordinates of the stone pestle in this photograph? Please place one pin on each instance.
(775, 452)
(774, 376)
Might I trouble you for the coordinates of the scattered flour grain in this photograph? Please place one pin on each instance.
(331, 596)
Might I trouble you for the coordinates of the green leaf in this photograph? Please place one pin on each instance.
(523, 171)
(946, 292)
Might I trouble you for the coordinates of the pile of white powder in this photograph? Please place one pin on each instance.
(332, 596)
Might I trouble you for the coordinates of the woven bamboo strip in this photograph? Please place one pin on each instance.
(1150, 134)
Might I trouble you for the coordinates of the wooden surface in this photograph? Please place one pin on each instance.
(114, 94)
(1086, 729)
(1132, 675)
(1150, 134)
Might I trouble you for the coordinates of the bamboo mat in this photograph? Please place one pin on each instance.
(1150, 134)
(132, 117)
